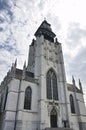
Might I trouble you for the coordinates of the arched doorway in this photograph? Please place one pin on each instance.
(53, 118)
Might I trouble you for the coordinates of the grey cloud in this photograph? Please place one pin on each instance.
(75, 34)
(81, 55)
(4, 5)
(9, 44)
(6, 47)
(55, 22)
(41, 4)
(77, 65)
(1, 20)
(3, 62)
(1, 29)
(6, 10)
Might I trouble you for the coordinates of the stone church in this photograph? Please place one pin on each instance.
(38, 96)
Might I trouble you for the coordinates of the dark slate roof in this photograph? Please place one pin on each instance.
(18, 72)
(29, 76)
(71, 88)
(45, 29)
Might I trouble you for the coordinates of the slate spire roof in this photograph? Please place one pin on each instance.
(45, 29)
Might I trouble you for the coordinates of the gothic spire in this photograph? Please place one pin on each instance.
(80, 86)
(13, 68)
(15, 64)
(24, 70)
(24, 65)
(45, 30)
(73, 81)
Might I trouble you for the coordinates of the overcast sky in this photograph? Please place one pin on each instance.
(19, 19)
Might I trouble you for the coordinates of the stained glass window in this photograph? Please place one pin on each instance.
(27, 100)
(51, 83)
(72, 104)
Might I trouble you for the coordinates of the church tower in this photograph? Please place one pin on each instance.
(38, 96)
(46, 62)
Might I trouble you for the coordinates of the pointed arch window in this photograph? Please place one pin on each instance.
(51, 85)
(27, 100)
(53, 118)
(72, 104)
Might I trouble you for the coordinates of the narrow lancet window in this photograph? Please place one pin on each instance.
(72, 104)
(27, 100)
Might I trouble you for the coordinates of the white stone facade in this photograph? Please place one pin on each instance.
(44, 55)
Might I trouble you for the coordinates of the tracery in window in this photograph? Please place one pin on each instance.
(72, 104)
(51, 84)
(27, 100)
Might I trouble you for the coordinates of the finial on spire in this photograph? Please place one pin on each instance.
(46, 30)
(13, 69)
(33, 41)
(24, 65)
(80, 85)
(24, 70)
(73, 81)
(56, 40)
(15, 64)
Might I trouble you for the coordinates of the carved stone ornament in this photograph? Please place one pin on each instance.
(53, 106)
